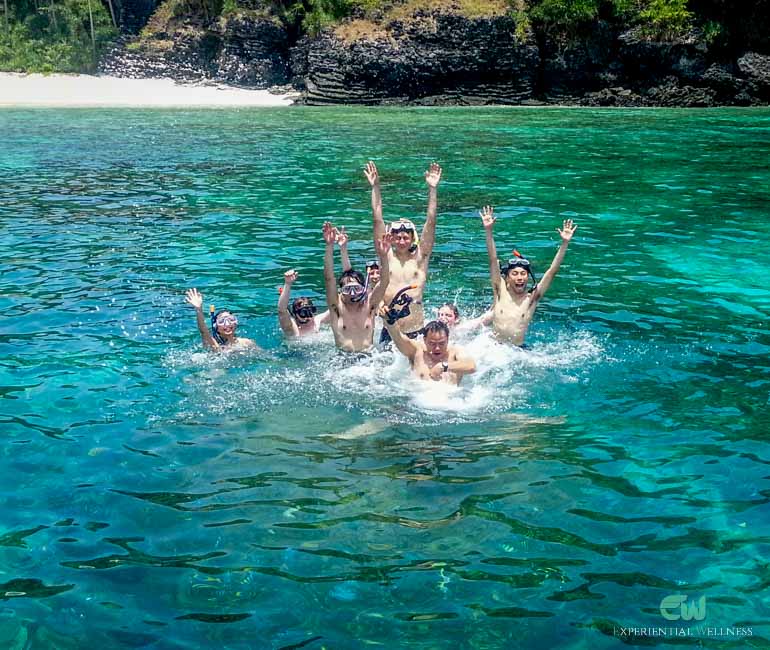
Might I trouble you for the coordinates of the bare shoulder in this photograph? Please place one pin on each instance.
(456, 351)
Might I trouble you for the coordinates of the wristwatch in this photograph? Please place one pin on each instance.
(445, 366)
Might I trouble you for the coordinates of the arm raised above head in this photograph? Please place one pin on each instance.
(382, 246)
(342, 242)
(432, 178)
(488, 218)
(285, 320)
(565, 232)
(195, 299)
(330, 234)
(373, 176)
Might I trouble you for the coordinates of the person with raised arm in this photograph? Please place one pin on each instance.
(410, 255)
(513, 306)
(221, 337)
(353, 308)
(298, 317)
(432, 358)
(450, 314)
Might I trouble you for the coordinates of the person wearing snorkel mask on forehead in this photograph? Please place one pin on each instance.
(352, 309)
(513, 304)
(221, 337)
(410, 254)
(300, 318)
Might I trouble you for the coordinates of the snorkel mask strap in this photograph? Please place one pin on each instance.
(364, 293)
(214, 332)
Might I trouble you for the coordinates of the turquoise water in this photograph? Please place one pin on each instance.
(155, 497)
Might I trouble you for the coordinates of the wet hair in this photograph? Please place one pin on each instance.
(453, 307)
(298, 303)
(214, 332)
(351, 273)
(436, 326)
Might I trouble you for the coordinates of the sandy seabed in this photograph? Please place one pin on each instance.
(86, 90)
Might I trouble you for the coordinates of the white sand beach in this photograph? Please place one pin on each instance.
(86, 90)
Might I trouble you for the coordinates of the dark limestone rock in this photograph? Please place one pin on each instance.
(670, 93)
(756, 68)
(254, 52)
(576, 66)
(435, 58)
(645, 58)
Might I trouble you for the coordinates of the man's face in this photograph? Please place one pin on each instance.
(403, 239)
(516, 280)
(436, 344)
(374, 275)
(447, 315)
(347, 295)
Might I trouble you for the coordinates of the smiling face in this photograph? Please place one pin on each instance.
(226, 323)
(403, 240)
(374, 275)
(447, 315)
(516, 280)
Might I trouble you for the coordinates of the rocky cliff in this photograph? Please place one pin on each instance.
(441, 56)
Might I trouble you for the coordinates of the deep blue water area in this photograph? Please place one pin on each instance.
(156, 496)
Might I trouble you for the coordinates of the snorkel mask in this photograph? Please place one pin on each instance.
(518, 261)
(303, 309)
(217, 319)
(356, 291)
(399, 306)
(404, 225)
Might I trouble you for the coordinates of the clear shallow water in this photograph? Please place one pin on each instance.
(156, 497)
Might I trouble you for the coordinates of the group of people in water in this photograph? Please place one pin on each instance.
(392, 287)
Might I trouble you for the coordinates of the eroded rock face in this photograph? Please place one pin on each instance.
(254, 52)
(434, 58)
(756, 68)
(244, 50)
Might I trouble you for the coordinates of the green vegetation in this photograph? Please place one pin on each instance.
(68, 35)
(54, 35)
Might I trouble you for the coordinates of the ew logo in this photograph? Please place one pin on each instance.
(674, 607)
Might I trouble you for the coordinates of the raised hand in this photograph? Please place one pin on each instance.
(567, 230)
(330, 233)
(383, 312)
(290, 276)
(488, 218)
(433, 175)
(342, 238)
(194, 298)
(370, 171)
(382, 245)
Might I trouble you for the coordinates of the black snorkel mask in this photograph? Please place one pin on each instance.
(518, 261)
(399, 306)
(305, 312)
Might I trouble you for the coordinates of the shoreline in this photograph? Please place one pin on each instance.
(92, 91)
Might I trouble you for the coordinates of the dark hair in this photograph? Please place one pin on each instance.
(351, 273)
(299, 303)
(435, 326)
(453, 307)
(214, 332)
